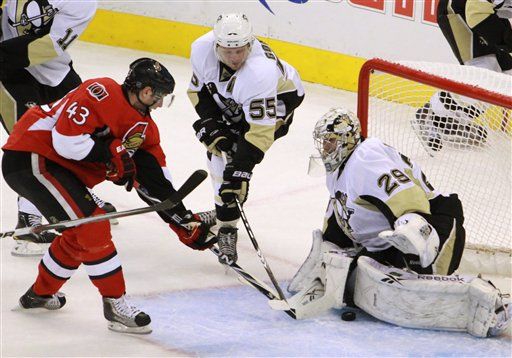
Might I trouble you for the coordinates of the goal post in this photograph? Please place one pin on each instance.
(456, 122)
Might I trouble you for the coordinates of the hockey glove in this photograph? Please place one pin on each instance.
(235, 185)
(214, 135)
(121, 167)
(192, 231)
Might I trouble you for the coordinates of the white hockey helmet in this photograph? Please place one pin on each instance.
(233, 30)
(336, 135)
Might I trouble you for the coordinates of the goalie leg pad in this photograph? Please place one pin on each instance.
(311, 266)
(326, 290)
(455, 303)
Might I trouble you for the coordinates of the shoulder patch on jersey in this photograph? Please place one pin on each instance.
(98, 91)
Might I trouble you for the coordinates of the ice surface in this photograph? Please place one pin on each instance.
(197, 309)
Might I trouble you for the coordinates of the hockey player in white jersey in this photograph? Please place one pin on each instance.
(389, 242)
(35, 68)
(480, 35)
(245, 97)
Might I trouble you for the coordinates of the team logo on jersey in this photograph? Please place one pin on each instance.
(98, 91)
(33, 16)
(344, 213)
(135, 136)
(232, 111)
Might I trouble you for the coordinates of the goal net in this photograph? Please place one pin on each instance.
(456, 122)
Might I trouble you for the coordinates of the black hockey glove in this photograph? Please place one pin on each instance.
(192, 231)
(235, 185)
(215, 135)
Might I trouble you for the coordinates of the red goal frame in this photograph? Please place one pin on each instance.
(408, 73)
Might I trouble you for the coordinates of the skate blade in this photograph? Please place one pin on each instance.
(121, 328)
(36, 310)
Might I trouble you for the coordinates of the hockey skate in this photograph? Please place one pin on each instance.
(124, 318)
(425, 129)
(108, 207)
(31, 300)
(31, 244)
(228, 237)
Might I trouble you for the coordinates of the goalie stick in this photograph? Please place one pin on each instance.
(190, 184)
(243, 275)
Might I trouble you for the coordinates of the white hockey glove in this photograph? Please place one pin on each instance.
(414, 235)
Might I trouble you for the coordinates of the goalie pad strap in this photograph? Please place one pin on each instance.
(456, 303)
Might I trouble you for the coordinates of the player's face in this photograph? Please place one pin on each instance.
(147, 98)
(161, 99)
(329, 145)
(233, 57)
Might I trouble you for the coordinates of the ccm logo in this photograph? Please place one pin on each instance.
(240, 174)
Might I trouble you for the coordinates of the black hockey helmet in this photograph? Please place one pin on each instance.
(148, 72)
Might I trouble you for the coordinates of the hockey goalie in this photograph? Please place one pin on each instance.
(390, 242)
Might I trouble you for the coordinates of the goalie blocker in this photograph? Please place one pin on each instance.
(330, 277)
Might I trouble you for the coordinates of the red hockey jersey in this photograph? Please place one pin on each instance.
(64, 131)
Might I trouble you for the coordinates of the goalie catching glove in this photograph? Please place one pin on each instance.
(192, 231)
(121, 168)
(235, 185)
(414, 235)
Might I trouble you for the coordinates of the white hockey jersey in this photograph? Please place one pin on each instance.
(375, 173)
(49, 61)
(253, 88)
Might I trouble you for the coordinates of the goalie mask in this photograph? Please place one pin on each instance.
(336, 135)
(233, 39)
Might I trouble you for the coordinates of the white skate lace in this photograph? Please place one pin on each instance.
(97, 200)
(227, 244)
(34, 220)
(123, 308)
(208, 217)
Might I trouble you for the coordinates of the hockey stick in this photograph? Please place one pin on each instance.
(190, 184)
(244, 275)
(258, 250)
(255, 243)
(252, 281)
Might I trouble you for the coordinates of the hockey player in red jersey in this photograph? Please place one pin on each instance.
(36, 68)
(100, 131)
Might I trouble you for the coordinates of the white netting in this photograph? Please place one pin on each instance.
(463, 144)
